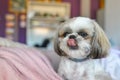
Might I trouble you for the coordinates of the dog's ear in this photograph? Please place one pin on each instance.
(100, 43)
(56, 44)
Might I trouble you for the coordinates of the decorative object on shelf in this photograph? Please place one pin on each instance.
(23, 21)
(102, 4)
(50, 0)
(22, 24)
(11, 27)
(49, 10)
(17, 5)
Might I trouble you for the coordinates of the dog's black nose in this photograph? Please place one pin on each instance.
(72, 37)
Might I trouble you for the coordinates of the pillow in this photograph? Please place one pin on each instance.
(25, 64)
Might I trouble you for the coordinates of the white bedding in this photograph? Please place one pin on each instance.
(111, 64)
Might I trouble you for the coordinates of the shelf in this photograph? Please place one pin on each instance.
(43, 22)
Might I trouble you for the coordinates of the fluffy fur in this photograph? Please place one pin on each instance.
(79, 41)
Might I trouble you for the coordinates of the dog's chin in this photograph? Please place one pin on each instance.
(73, 47)
(75, 52)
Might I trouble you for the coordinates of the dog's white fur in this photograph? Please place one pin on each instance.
(92, 44)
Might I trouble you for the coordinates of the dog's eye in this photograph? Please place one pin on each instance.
(83, 34)
(65, 34)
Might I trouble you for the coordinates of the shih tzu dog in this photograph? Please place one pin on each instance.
(80, 41)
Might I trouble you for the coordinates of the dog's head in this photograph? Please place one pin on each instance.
(81, 37)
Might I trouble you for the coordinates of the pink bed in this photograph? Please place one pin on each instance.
(25, 64)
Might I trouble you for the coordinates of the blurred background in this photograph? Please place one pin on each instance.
(34, 22)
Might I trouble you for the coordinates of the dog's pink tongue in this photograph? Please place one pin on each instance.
(71, 42)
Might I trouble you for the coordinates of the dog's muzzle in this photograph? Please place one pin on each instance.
(72, 42)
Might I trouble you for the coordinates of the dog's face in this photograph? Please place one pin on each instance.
(80, 38)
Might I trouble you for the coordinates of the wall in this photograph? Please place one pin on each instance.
(85, 8)
(75, 7)
(94, 8)
(3, 10)
(112, 21)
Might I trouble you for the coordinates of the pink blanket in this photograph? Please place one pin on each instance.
(25, 64)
